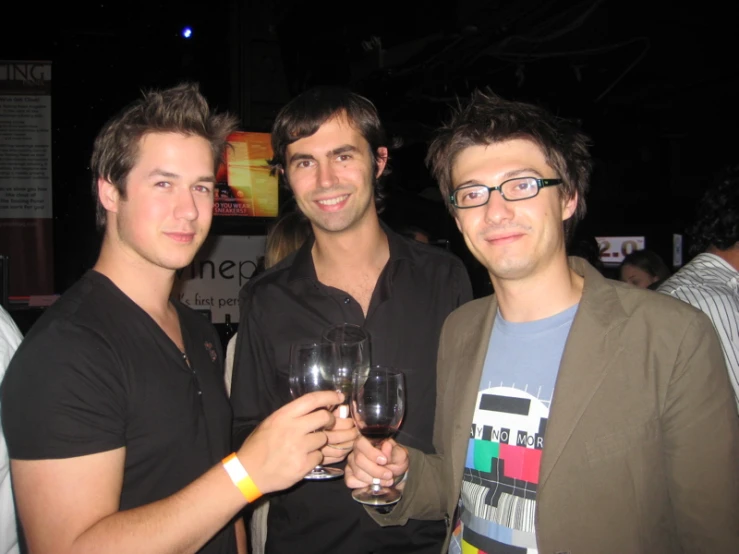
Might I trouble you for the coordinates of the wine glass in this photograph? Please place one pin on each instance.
(378, 406)
(312, 368)
(352, 355)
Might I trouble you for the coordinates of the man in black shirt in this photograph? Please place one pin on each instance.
(114, 407)
(330, 149)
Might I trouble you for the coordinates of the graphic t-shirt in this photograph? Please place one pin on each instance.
(501, 474)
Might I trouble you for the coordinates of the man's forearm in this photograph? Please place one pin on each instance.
(181, 523)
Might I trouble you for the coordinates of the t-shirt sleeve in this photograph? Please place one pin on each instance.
(64, 395)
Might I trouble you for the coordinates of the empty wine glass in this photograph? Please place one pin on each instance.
(312, 368)
(352, 355)
(378, 406)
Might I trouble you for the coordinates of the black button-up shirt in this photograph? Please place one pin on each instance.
(416, 291)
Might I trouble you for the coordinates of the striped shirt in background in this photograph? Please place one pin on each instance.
(711, 284)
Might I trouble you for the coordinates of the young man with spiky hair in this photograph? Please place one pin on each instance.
(114, 406)
(574, 413)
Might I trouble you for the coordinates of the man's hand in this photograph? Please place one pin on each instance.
(365, 464)
(341, 437)
(286, 446)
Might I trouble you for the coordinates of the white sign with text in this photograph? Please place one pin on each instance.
(613, 250)
(220, 269)
(25, 140)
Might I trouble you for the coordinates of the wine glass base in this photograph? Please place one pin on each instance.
(377, 496)
(324, 474)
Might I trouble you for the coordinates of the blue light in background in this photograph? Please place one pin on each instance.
(187, 32)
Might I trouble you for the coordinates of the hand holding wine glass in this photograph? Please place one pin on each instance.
(283, 448)
(388, 463)
(378, 406)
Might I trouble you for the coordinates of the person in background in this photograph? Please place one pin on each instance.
(114, 410)
(710, 281)
(574, 413)
(286, 237)
(331, 150)
(644, 269)
(10, 339)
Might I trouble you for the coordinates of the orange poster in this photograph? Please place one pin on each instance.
(245, 187)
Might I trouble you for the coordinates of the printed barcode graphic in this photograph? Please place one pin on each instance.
(512, 511)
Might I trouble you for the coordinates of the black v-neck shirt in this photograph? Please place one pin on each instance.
(97, 373)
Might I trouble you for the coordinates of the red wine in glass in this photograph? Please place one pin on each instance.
(378, 406)
(378, 433)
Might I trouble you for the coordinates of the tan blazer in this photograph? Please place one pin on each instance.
(642, 444)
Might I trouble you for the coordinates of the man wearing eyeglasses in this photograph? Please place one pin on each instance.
(574, 413)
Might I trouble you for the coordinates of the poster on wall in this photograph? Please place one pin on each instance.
(245, 187)
(25, 176)
(211, 283)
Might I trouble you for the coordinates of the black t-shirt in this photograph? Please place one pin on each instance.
(96, 373)
(418, 288)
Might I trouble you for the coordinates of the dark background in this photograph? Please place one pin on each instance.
(654, 85)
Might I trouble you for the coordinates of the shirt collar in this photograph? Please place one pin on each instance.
(714, 261)
(729, 273)
(303, 267)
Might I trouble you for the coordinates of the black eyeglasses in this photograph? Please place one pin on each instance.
(512, 190)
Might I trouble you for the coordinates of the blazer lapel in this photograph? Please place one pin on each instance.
(590, 346)
(475, 339)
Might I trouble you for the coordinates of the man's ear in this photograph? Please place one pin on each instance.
(569, 206)
(381, 160)
(109, 195)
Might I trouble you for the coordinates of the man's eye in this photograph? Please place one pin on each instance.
(203, 188)
(163, 184)
(303, 163)
(344, 157)
(472, 195)
(525, 186)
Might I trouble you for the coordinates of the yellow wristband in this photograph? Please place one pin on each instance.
(241, 478)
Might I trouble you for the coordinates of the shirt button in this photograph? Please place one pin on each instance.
(200, 393)
(347, 300)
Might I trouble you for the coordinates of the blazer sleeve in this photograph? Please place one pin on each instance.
(701, 444)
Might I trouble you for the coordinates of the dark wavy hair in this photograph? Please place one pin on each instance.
(305, 114)
(648, 261)
(181, 109)
(486, 118)
(717, 221)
